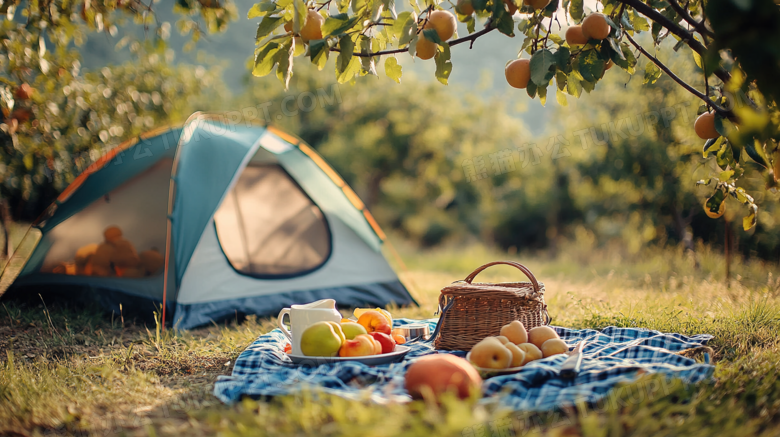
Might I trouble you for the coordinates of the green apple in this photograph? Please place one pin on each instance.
(352, 330)
(321, 339)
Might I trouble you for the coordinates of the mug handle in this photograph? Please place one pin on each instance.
(280, 323)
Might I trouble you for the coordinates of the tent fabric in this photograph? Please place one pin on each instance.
(267, 226)
(165, 190)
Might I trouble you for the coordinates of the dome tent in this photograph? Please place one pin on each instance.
(256, 221)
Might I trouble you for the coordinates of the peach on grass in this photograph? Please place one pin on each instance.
(434, 375)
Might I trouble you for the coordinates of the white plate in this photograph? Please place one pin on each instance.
(487, 373)
(371, 360)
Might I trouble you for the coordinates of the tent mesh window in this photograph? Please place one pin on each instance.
(138, 208)
(267, 225)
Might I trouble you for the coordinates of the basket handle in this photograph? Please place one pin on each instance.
(519, 266)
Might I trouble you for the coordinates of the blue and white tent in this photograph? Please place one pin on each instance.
(225, 219)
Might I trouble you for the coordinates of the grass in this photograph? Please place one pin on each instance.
(75, 371)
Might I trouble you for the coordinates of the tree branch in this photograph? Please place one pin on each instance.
(698, 25)
(674, 28)
(488, 28)
(726, 113)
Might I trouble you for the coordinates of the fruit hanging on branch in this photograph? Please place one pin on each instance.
(24, 92)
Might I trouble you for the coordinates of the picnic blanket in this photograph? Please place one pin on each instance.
(611, 356)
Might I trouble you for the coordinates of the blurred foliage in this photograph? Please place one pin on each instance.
(57, 119)
(619, 166)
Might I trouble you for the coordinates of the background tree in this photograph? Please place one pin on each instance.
(58, 119)
(737, 65)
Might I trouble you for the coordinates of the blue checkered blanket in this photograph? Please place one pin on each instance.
(611, 356)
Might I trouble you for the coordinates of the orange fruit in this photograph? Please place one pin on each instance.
(112, 233)
(464, 7)
(574, 36)
(437, 374)
(312, 28)
(705, 126)
(714, 215)
(518, 73)
(288, 26)
(595, 26)
(425, 49)
(443, 22)
(608, 65)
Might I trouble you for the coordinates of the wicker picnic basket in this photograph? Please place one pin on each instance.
(471, 311)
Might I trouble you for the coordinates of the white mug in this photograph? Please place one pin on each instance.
(303, 316)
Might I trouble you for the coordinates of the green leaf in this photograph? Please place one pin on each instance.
(755, 151)
(626, 22)
(261, 9)
(400, 22)
(285, 59)
(590, 66)
(719, 124)
(346, 50)
(349, 72)
(573, 85)
(505, 24)
(725, 156)
(726, 175)
(713, 203)
(471, 24)
(616, 48)
(627, 62)
(266, 26)
(652, 73)
(265, 59)
(531, 90)
(712, 145)
(541, 61)
(318, 52)
(368, 64)
(749, 220)
(443, 63)
(560, 80)
(562, 57)
(542, 92)
(408, 30)
(299, 15)
(337, 24)
(561, 97)
(639, 22)
(392, 69)
(432, 36)
(576, 10)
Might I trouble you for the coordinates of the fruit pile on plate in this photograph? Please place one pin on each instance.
(371, 333)
(516, 347)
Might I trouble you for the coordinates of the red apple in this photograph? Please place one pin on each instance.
(387, 342)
